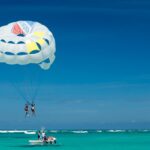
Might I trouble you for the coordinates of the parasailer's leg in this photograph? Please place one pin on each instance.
(26, 114)
(33, 113)
(26, 109)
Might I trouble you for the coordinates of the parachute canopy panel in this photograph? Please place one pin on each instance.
(27, 42)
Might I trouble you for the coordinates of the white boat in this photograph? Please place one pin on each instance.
(50, 140)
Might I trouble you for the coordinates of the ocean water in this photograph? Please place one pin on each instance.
(79, 140)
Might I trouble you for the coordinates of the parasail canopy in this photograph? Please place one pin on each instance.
(27, 42)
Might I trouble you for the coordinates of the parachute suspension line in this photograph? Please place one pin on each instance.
(14, 84)
(37, 88)
(27, 85)
(24, 82)
(31, 83)
(41, 41)
(36, 85)
(19, 91)
(23, 86)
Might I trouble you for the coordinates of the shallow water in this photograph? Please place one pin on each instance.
(106, 140)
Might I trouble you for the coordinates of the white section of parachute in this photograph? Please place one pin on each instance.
(37, 46)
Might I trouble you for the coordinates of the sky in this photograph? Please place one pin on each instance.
(101, 76)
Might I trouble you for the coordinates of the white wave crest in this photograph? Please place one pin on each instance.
(2, 131)
(79, 132)
(53, 131)
(18, 131)
(29, 132)
(116, 130)
(99, 131)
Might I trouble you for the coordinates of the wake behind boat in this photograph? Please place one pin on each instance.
(50, 140)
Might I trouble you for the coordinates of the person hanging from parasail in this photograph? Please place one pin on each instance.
(27, 43)
(33, 108)
(26, 109)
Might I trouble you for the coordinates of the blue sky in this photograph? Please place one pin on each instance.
(101, 75)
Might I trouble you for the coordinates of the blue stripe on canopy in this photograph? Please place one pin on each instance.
(22, 53)
(2, 40)
(9, 53)
(47, 41)
(21, 42)
(34, 52)
(11, 42)
(47, 60)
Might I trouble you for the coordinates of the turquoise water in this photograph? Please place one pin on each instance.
(81, 141)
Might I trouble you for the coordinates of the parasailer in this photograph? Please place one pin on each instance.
(26, 43)
(26, 109)
(33, 108)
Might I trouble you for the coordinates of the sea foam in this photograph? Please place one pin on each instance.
(79, 132)
(18, 131)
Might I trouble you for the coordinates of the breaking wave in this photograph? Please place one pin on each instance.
(32, 132)
(18, 131)
(116, 130)
(80, 132)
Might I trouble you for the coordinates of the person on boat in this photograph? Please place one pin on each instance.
(45, 139)
(33, 108)
(43, 135)
(26, 109)
(39, 135)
